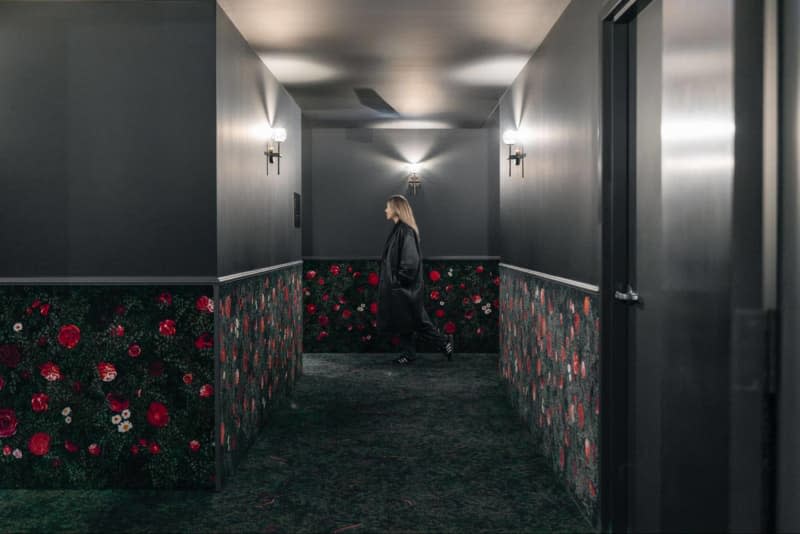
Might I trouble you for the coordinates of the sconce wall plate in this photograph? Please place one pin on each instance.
(516, 151)
(414, 181)
(273, 152)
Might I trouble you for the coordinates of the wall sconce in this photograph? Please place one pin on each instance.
(515, 150)
(276, 137)
(413, 180)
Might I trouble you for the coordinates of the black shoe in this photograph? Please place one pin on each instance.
(449, 348)
(404, 359)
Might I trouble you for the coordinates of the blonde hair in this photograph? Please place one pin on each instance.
(402, 208)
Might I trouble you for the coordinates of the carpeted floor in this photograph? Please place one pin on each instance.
(364, 446)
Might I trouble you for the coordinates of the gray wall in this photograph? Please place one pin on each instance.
(789, 435)
(354, 171)
(550, 221)
(107, 138)
(254, 211)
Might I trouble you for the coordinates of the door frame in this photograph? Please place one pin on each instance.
(618, 172)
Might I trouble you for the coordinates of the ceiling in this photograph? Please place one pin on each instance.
(395, 63)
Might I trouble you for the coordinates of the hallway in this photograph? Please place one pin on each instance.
(433, 447)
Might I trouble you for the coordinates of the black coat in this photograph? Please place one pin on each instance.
(400, 289)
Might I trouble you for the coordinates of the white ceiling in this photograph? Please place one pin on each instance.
(438, 63)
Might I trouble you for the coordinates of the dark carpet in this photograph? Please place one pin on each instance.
(363, 446)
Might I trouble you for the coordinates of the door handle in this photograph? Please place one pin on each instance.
(630, 295)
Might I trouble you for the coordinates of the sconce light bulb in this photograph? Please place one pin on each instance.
(413, 168)
(509, 137)
(279, 135)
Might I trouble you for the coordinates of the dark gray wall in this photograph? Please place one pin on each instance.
(254, 211)
(354, 171)
(550, 220)
(107, 138)
(789, 435)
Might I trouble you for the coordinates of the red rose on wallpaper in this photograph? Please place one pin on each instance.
(497, 281)
(310, 274)
(36, 303)
(462, 285)
(117, 403)
(117, 330)
(448, 287)
(2, 382)
(323, 320)
(157, 414)
(336, 307)
(165, 299)
(587, 450)
(69, 335)
(50, 371)
(194, 445)
(434, 275)
(134, 351)
(311, 308)
(10, 356)
(325, 297)
(356, 274)
(204, 304)
(106, 371)
(187, 378)
(39, 402)
(204, 341)
(167, 327)
(465, 301)
(373, 308)
(322, 335)
(154, 448)
(449, 327)
(439, 313)
(435, 295)
(479, 269)
(134, 450)
(8, 422)
(206, 390)
(321, 281)
(587, 305)
(372, 278)
(94, 449)
(39, 444)
(70, 446)
(44, 311)
(346, 314)
(476, 299)
(469, 314)
(335, 270)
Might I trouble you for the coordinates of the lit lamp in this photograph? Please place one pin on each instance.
(515, 150)
(276, 137)
(413, 180)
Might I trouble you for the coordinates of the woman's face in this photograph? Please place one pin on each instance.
(389, 211)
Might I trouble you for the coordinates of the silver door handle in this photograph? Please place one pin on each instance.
(629, 296)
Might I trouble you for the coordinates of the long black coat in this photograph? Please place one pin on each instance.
(400, 298)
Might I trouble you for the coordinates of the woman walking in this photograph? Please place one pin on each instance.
(401, 289)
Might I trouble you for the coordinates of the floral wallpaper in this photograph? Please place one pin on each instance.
(260, 354)
(549, 356)
(340, 305)
(106, 387)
